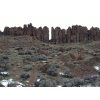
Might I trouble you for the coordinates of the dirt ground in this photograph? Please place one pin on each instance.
(27, 60)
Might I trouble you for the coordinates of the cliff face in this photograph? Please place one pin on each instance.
(40, 33)
(73, 34)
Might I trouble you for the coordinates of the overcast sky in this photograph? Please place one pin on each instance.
(61, 13)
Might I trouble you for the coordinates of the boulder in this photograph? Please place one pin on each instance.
(24, 76)
(52, 71)
(38, 58)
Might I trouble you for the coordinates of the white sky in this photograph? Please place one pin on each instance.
(61, 13)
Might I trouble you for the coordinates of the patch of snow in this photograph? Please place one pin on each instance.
(38, 80)
(4, 83)
(19, 86)
(59, 85)
(4, 73)
(27, 81)
(20, 83)
(11, 81)
(61, 73)
(44, 61)
(97, 68)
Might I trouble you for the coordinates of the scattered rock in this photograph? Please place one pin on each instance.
(66, 74)
(50, 69)
(21, 53)
(19, 48)
(40, 83)
(90, 79)
(39, 58)
(5, 57)
(77, 82)
(44, 82)
(3, 67)
(28, 53)
(24, 76)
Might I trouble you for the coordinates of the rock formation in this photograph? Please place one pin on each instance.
(40, 33)
(73, 34)
(45, 34)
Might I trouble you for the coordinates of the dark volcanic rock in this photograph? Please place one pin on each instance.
(90, 79)
(41, 83)
(3, 67)
(52, 71)
(24, 76)
(73, 34)
(66, 75)
(46, 67)
(75, 82)
(38, 58)
(45, 82)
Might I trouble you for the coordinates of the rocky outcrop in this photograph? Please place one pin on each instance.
(94, 34)
(6, 31)
(58, 35)
(53, 35)
(45, 34)
(73, 34)
(40, 33)
(0, 32)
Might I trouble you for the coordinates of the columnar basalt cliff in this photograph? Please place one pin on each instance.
(40, 33)
(58, 35)
(73, 34)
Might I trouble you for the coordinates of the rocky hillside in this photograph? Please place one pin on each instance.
(25, 61)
